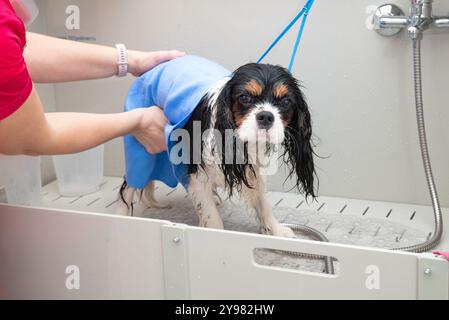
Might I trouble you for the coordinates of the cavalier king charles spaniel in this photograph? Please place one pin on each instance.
(263, 106)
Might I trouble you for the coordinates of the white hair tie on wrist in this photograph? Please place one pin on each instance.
(122, 60)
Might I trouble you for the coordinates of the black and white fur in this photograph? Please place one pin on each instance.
(257, 97)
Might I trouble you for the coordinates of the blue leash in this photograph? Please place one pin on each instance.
(304, 12)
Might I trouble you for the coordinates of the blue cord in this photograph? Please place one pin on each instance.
(304, 11)
(298, 38)
(279, 37)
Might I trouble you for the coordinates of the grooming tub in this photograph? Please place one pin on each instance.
(77, 248)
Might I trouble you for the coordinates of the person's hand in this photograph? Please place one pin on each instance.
(140, 62)
(150, 130)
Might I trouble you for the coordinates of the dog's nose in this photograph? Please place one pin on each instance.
(265, 119)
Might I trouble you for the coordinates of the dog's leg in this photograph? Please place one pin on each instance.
(149, 200)
(202, 194)
(125, 204)
(256, 198)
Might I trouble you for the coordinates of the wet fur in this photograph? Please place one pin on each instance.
(222, 110)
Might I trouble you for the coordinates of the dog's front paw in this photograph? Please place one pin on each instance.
(281, 231)
(278, 231)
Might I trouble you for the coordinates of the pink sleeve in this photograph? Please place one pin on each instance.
(15, 82)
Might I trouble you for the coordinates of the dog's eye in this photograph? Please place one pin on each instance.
(286, 103)
(245, 99)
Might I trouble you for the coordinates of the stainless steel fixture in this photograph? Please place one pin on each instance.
(389, 20)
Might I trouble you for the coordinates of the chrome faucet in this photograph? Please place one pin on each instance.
(389, 19)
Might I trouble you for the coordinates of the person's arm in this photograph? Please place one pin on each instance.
(51, 60)
(32, 132)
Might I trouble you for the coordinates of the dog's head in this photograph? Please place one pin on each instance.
(265, 101)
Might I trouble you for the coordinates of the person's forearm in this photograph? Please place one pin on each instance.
(76, 132)
(52, 60)
(30, 131)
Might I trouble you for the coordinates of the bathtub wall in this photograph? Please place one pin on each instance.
(358, 84)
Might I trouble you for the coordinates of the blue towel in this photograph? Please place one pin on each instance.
(177, 87)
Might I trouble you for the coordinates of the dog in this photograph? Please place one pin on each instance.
(263, 106)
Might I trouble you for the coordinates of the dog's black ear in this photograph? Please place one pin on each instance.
(298, 147)
(234, 163)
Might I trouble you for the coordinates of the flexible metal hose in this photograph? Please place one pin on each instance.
(329, 266)
(438, 231)
(433, 241)
(430, 243)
